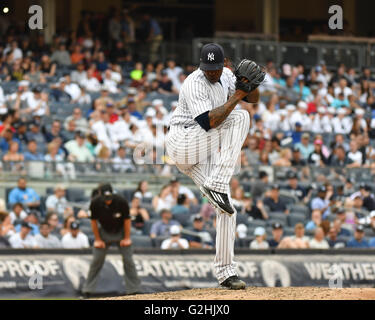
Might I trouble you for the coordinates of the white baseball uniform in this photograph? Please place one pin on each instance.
(209, 158)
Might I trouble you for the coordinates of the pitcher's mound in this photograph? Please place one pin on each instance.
(303, 293)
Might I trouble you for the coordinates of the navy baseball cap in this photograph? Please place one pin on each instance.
(212, 57)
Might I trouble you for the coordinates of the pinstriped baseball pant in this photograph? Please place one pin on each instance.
(209, 158)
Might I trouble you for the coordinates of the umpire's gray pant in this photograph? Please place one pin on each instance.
(132, 282)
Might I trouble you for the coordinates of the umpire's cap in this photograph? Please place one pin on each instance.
(212, 57)
(106, 190)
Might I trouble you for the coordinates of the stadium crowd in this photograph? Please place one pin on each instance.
(84, 105)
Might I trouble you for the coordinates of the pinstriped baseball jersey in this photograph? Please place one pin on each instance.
(198, 95)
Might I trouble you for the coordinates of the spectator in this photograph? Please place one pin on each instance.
(78, 151)
(6, 227)
(277, 235)
(66, 226)
(317, 157)
(358, 241)
(32, 153)
(200, 237)
(61, 56)
(14, 157)
(165, 199)
(24, 195)
(139, 215)
(241, 231)
(75, 239)
(260, 185)
(339, 159)
(273, 201)
(33, 220)
(53, 221)
(79, 75)
(175, 241)
(35, 134)
(304, 146)
(316, 220)
(318, 242)
(342, 230)
(182, 206)
(179, 189)
(297, 241)
(17, 213)
(142, 192)
(255, 211)
(23, 239)
(354, 154)
(46, 240)
(58, 203)
(121, 163)
(333, 240)
(259, 242)
(297, 160)
(322, 202)
(293, 187)
(162, 227)
(37, 104)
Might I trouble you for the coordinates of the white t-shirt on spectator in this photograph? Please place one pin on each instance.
(166, 244)
(13, 216)
(56, 204)
(16, 241)
(347, 92)
(256, 245)
(173, 74)
(33, 104)
(79, 242)
(356, 157)
(73, 90)
(314, 244)
(92, 85)
(48, 242)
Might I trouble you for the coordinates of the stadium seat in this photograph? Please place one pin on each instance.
(76, 195)
(128, 194)
(277, 217)
(141, 241)
(156, 242)
(256, 223)
(183, 218)
(242, 219)
(294, 218)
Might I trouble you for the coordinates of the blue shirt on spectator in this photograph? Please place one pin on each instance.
(337, 103)
(311, 225)
(4, 145)
(305, 150)
(179, 209)
(33, 156)
(319, 203)
(34, 231)
(353, 243)
(161, 229)
(371, 243)
(23, 196)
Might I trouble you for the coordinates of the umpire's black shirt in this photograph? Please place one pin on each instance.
(111, 217)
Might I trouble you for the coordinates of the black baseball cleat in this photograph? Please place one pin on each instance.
(218, 200)
(233, 283)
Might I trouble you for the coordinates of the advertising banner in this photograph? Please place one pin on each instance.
(62, 275)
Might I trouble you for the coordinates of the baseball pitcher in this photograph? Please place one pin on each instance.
(205, 139)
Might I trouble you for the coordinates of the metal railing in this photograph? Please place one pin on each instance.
(353, 56)
(100, 171)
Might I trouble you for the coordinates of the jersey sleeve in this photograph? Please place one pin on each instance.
(197, 98)
(231, 78)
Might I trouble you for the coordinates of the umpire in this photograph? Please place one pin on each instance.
(110, 222)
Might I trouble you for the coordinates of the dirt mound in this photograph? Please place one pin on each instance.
(304, 293)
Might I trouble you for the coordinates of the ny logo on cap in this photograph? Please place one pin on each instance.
(211, 56)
